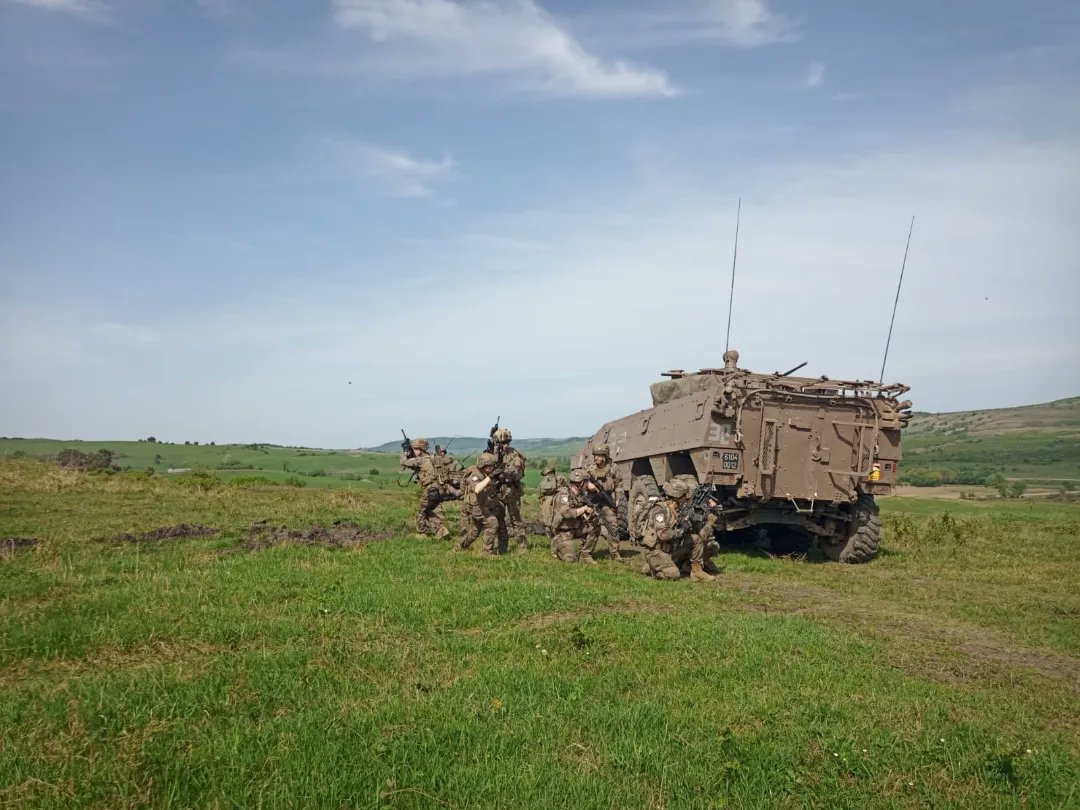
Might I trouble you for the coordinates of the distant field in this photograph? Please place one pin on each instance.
(339, 468)
(397, 674)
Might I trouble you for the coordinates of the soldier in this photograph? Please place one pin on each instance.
(573, 523)
(429, 519)
(668, 545)
(481, 509)
(511, 485)
(549, 486)
(603, 476)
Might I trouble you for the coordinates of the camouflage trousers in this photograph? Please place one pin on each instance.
(672, 560)
(515, 526)
(610, 519)
(429, 513)
(486, 523)
(569, 541)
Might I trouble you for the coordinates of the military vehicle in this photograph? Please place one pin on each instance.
(790, 458)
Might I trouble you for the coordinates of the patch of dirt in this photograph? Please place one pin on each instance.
(342, 534)
(180, 531)
(10, 545)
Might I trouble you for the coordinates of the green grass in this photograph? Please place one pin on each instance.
(398, 674)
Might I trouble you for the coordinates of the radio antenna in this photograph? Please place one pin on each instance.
(734, 258)
(899, 284)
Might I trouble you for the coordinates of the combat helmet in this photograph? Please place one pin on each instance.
(420, 444)
(486, 460)
(601, 450)
(502, 435)
(578, 476)
(677, 488)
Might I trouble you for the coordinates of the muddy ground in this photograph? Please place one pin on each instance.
(180, 531)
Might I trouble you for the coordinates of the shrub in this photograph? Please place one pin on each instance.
(317, 473)
(295, 482)
(77, 460)
(375, 471)
(199, 480)
(251, 481)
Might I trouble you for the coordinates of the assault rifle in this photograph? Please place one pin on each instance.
(693, 514)
(406, 445)
(597, 499)
(491, 446)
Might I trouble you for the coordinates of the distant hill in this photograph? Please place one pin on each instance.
(1061, 414)
(464, 445)
(1032, 442)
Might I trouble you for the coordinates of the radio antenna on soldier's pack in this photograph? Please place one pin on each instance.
(734, 258)
(899, 284)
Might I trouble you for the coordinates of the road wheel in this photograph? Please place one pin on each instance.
(643, 490)
(863, 535)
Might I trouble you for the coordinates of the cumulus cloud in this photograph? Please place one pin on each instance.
(514, 38)
(815, 75)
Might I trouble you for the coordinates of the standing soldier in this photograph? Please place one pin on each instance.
(574, 525)
(604, 477)
(448, 480)
(511, 484)
(668, 543)
(428, 515)
(481, 509)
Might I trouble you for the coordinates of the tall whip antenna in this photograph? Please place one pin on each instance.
(734, 258)
(899, 284)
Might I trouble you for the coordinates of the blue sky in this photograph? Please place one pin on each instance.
(214, 215)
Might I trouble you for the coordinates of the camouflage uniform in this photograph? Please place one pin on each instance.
(606, 477)
(571, 531)
(550, 483)
(667, 546)
(482, 511)
(448, 474)
(513, 487)
(429, 519)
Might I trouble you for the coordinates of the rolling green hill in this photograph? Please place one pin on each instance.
(1037, 443)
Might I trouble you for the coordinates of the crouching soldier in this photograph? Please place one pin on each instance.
(549, 487)
(429, 518)
(574, 524)
(669, 543)
(481, 509)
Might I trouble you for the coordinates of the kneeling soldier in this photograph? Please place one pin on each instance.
(574, 524)
(668, 542)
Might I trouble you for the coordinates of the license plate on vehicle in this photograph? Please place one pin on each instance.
(730, 461)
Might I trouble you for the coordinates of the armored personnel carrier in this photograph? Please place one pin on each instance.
(788, 458)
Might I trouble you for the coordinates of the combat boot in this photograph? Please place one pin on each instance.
(698, 574)
(586, 557)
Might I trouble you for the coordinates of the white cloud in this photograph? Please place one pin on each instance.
(748, 22)
(509, 38)
(73, 6)
(395, 171)
(815, 74)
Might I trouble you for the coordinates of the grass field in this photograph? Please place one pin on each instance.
(193, 673)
